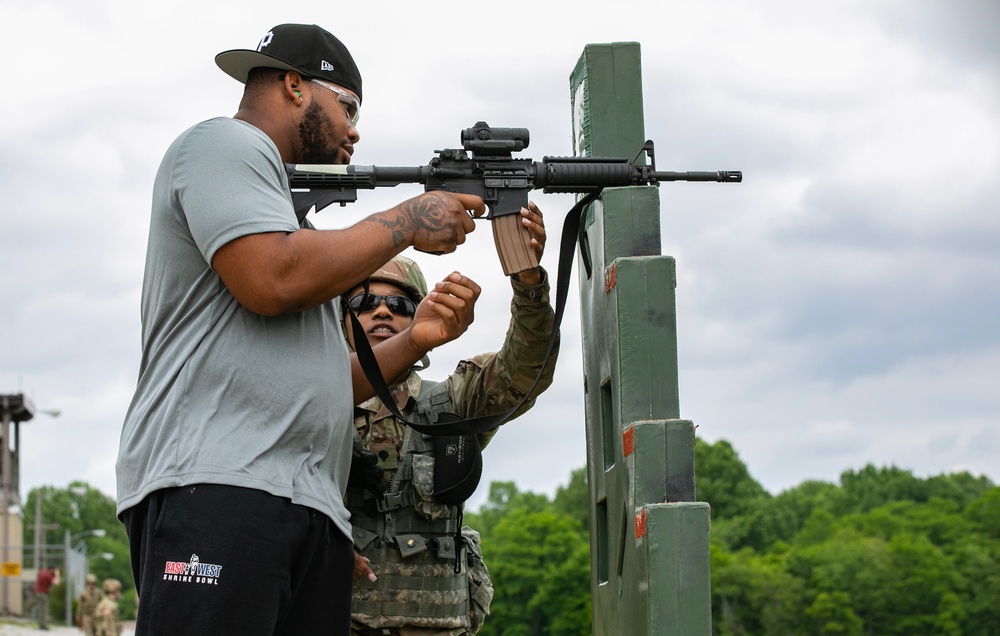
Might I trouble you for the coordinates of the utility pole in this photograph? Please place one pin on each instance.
(38, 528)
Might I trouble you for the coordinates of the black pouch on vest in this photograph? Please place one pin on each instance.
(365, 471)
(458, 466)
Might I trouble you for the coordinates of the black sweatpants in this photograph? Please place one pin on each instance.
(218, 560)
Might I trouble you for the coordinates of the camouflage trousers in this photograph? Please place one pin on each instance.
(407, 631)
(39, 604)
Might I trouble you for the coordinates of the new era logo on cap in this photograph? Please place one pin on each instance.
(326, 66)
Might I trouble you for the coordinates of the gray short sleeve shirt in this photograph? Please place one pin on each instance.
(225, 395)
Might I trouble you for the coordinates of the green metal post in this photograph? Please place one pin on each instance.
(649, 540)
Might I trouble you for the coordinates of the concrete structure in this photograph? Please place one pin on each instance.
(14, 409)
(649, 538)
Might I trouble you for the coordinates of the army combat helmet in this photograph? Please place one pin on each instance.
(404, 273)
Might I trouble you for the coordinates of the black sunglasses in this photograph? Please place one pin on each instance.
(399, 305)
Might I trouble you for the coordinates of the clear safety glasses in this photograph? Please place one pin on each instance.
(350, 103)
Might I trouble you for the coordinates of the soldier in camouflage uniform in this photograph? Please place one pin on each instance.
(107, 622)
(86, 609)
(418, 572)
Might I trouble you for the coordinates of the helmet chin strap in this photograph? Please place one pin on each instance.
(423, 364)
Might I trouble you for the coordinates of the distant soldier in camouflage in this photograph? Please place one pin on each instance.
(107, 622)
(405, 533)
(86, 609)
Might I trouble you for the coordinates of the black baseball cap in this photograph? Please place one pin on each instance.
(306, 48)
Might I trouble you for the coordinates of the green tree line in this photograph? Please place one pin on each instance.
(881, 552)
(79, 509)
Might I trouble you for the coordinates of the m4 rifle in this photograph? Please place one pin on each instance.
(485, 166)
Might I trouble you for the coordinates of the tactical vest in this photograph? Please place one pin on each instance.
(430, 569)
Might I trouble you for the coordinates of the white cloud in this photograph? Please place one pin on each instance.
(834, 309)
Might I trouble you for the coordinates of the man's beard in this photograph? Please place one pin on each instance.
(315, 147)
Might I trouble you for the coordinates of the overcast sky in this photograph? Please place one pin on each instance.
(838, 308)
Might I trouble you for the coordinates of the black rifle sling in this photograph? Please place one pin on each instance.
(450, 423)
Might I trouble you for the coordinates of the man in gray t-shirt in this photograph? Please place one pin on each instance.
(236, 446)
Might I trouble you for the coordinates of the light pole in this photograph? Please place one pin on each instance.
(107, 556)
(71, 552)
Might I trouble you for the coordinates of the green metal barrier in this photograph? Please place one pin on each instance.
(649, 538)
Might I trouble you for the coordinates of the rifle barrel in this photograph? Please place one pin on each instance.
(721, 176)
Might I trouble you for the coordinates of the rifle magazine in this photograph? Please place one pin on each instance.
(513, 244)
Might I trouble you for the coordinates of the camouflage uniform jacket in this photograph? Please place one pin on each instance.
(107, 622)
(406, 533)
(86, 610)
